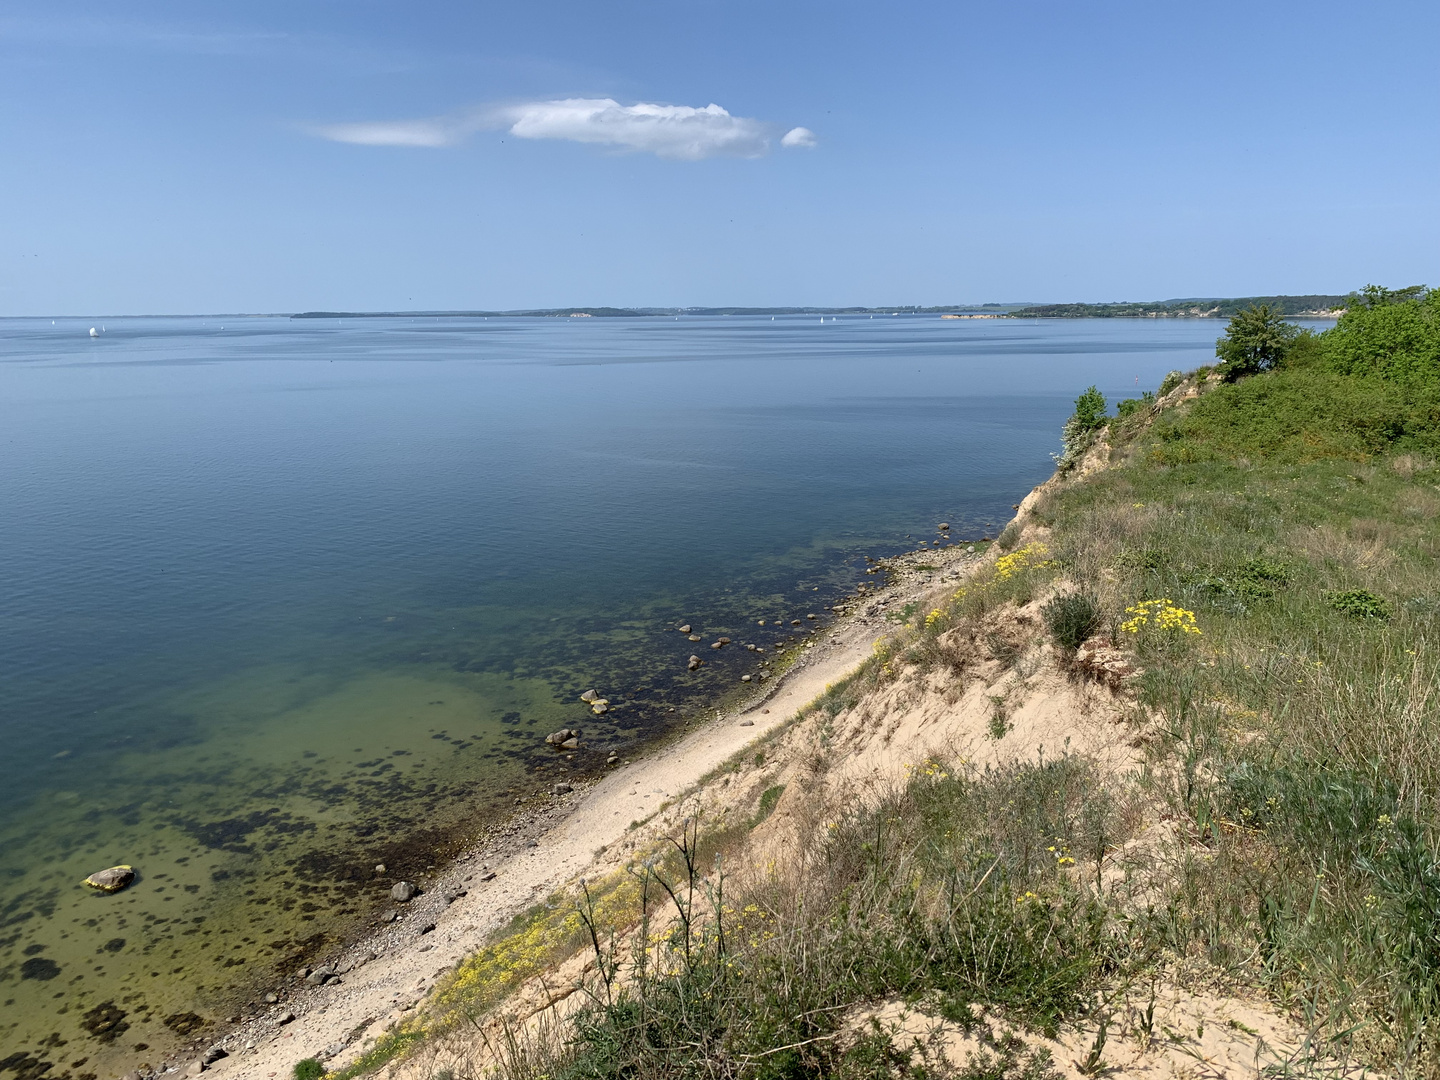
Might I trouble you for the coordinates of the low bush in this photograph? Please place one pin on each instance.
(1360, 603)
(1072, 618)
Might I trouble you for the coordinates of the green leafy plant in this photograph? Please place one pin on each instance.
(1071, 618)
(1360, 603)
(309, 1069)
(999, 718)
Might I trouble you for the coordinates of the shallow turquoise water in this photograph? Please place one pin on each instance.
(281, 599)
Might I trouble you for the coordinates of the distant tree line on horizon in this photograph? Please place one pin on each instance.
(1190, 308)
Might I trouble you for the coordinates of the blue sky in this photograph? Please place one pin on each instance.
(205, 157)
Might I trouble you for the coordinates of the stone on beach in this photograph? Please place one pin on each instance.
(403, 892)
(112, 879)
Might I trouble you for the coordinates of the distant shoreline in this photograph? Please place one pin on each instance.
(1314, 306)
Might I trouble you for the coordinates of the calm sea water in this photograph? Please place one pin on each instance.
(281, 599)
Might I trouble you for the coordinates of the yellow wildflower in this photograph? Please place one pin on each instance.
(1162, 614)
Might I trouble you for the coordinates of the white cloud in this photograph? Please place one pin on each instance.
(669, 131)
(799, 137)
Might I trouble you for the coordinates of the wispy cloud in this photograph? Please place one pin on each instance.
(433, 132)
(681, 132)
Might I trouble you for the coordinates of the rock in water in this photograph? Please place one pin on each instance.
(572, 743)
(559, 738)
(589, 695)
(111, 880)
(403, 892)
(693, 663)
(600, 706)
(685, 629)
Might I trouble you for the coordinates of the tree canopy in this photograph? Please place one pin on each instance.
(1256, 340)
(1392, 333)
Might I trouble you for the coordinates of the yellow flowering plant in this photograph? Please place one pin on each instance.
(1029, 557)
(1162, 616)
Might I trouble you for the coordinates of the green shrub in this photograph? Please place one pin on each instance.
(1078, 434)
(309, 1069)
(1360, 603)
(1072, 618)
(1306, 351)
(1130, 406)
(1393, 334)
(1170, 382)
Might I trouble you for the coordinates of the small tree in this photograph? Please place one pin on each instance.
(1079, 431)
(1256, 340)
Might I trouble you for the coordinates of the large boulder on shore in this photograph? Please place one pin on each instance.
(403, 892)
